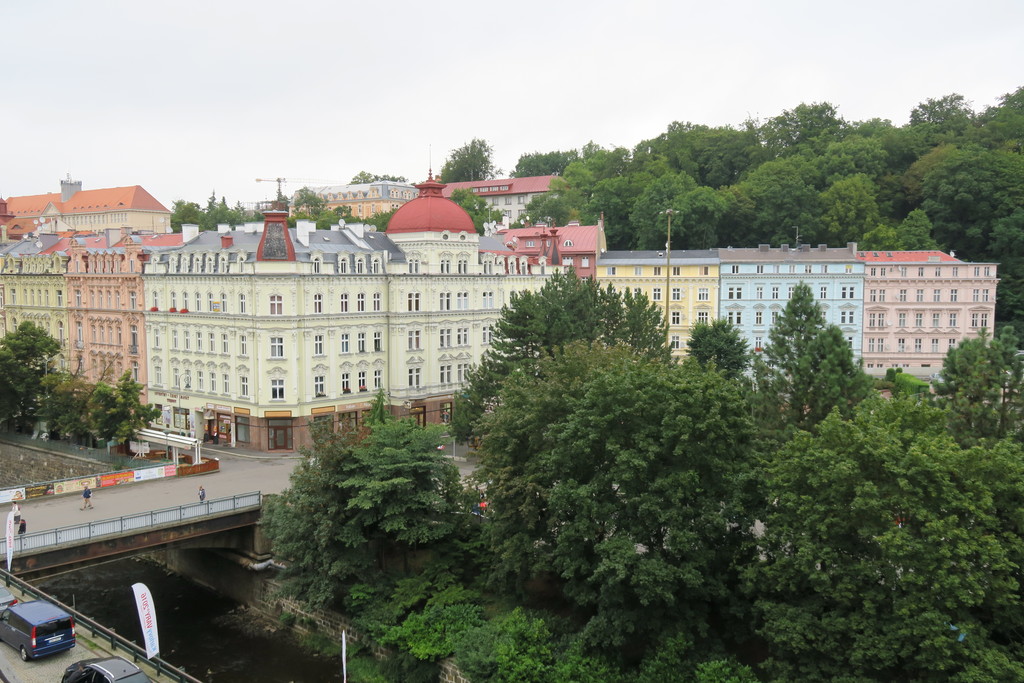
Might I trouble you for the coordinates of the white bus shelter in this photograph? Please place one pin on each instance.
(172, 442)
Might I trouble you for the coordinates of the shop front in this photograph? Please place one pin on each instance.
(218, 427)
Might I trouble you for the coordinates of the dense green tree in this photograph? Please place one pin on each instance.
(366, 178)
(65, 407)
(720, 343)
(308, 202)
(478, 208)
(850, 209)
(544, 163)
(355, 502)
(943, 118)
(968, 192)
(806, 370)
(472, 161)
(537, 324)
(25, 356)
(806, 127)
(889, 553)
(183, 212)
(982, 383)
(648, 217)
(784, 199)
(116, 412)
(614, 476)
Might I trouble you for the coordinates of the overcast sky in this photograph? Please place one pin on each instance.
(186, 97)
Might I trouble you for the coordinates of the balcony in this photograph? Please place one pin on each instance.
(79, 344)
(133, 349)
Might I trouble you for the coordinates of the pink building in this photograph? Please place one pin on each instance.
(920, 304)
(572, 245)
(106, 301)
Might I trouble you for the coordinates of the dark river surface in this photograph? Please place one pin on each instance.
(207, 635)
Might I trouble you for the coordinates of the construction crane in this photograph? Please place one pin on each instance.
(282, 181)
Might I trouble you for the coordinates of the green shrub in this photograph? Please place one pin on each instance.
(907, 385)
(434, 632)
(287, 619)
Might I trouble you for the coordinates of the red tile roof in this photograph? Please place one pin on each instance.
(540, 183)
(87, 201)
(583, 237)
(924, 256)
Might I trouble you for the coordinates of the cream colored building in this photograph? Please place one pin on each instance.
(74, 209)
(33, 289)
(684, 285)
(256, 332)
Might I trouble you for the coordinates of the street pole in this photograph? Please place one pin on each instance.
(668, 275)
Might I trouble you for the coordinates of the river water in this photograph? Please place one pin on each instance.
(207, 635)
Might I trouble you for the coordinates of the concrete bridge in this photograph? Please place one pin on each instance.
(222, 523)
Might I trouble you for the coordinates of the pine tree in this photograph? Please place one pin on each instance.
(807, 369)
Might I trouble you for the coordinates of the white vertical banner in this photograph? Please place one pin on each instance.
(10, 540)
(147, 618)
(344, 657)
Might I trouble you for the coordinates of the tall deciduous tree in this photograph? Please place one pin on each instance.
(535, 325)
(25, 355)
(472, 161)
(983, 386)
(807, 368)
(544, 163)
(116, 412)
(478, 208)
(354, 502)
(889, 553)
(614, 476)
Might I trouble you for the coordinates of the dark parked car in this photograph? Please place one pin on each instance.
(106, 670)
(6, 599)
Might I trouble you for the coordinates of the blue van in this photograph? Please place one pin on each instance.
(37, 628)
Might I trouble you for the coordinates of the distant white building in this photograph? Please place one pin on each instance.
(508, 195)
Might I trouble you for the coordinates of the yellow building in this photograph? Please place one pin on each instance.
(684, 285)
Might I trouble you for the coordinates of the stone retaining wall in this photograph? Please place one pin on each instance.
(332, 623)
(21, 464)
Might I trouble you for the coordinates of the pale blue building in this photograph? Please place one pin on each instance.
(756, 284)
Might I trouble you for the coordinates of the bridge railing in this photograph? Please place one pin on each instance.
(116, 642)
(87, 531)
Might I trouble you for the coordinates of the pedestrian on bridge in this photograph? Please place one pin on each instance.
(87, 497)
(202, 494)
(16, 509)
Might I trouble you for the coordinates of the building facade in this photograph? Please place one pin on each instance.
(920, 304)
(255, 333)
(571, 246)
(684, 284)
(756, 284)
(75, 209)
(508, 195)
(367, 199)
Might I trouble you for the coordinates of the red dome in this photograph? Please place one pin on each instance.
(430, 212)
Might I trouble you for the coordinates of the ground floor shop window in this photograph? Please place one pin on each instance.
(242, 429)
(279, 434)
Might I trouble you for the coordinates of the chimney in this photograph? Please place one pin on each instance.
(227, 241)
(785, 247)
(600, 221)
(302, 230)
(852, 246)
(763, 247)
(69, 187)
(822, 247)
(189, 231)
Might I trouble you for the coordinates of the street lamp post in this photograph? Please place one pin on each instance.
(668, 274)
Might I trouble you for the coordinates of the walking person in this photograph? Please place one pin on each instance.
(87, 497)
(22, 527)
(202, 494)
(16, 509)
